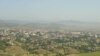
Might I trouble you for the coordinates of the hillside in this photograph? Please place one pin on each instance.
(90, 54)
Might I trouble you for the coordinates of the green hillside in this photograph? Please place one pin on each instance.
(90, 54)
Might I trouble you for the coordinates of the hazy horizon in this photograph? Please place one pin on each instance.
(50, 10)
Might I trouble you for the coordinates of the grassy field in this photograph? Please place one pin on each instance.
(90, 54)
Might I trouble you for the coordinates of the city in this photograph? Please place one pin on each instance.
(49, 27)
(47, 43)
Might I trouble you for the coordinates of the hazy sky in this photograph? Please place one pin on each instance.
(82, 10)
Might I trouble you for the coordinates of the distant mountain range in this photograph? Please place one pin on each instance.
(67, 24)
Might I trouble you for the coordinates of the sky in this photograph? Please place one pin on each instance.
(50, 10)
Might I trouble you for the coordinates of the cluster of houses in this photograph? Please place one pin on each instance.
(11, 33)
